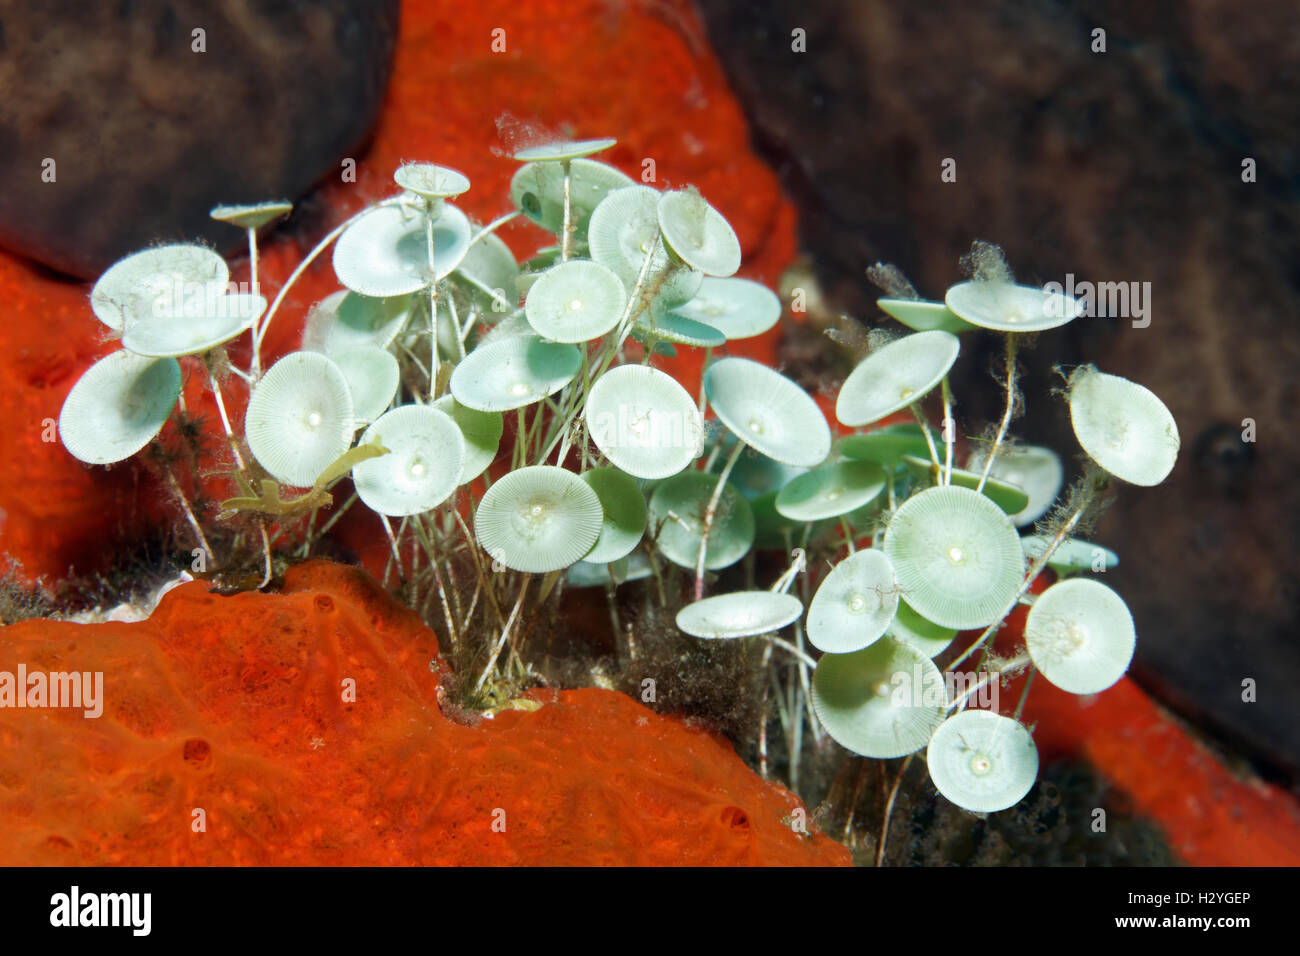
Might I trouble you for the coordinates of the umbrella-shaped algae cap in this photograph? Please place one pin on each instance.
(538, 519)
(926, 636)
(1006, 496)
(345, 320)
(1080, 635)
(697, 233)
(887, 446)
(643, 421)
(895, 376)
(513, 371)
(481, 431)
(537, 190)
(252, 216)
(563, 149)
(490, 266)
(624, 229)
(206, 324)
(422, 467)
(854, 604)
(430, 181)
(625, 514)
(118, 406)
(372, 376)
(1007, 307)
(670, 327)
(1123, 426)
(300, 418)
(586, 574)
(768, 412)
(1071, 555)
(155, 283)
(677, 510)
(739, 614)
(754, 474)
(982, 761)
(738, 308)
(575, 301)
(957, 556)
(923, 316)
(386, 251)
(1033, 468)
(829, 491)
(882, 701)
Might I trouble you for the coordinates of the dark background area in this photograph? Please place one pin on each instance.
(1122, 166)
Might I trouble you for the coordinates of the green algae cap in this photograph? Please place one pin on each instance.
(423, 464)
(677, 509)
(575, 301)
(252, 216)
(738, 308)
(923, 316)
(982, 761)
(643, 421)
(537, 190)
(854, 604)
(1006, 307)
(957, 556)
(118, 406)
(156, 281)
(768, 412)
(697, 233)
(386, 251)
(625, 514)
(431, 181)
(345, 320)
(222, 318)
(587, 574)
(482, 434)
(1033, 468)
(1006, 496)
(1072, 555)
(882, 701)
(739, 614)
(895, 376)
(831, 490)
(300, 418)
(926, 636)
(1123, 427)
(1080, 634)
(512, 372)
(671, 327)
(372, 375)
(563, 149)
(538, 519)
(887, 446)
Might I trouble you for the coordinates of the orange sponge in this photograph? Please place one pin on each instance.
(303, 728)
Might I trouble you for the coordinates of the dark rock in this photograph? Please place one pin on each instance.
(1123, 166)
(147, 134)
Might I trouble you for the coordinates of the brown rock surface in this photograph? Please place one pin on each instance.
(147, 133)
